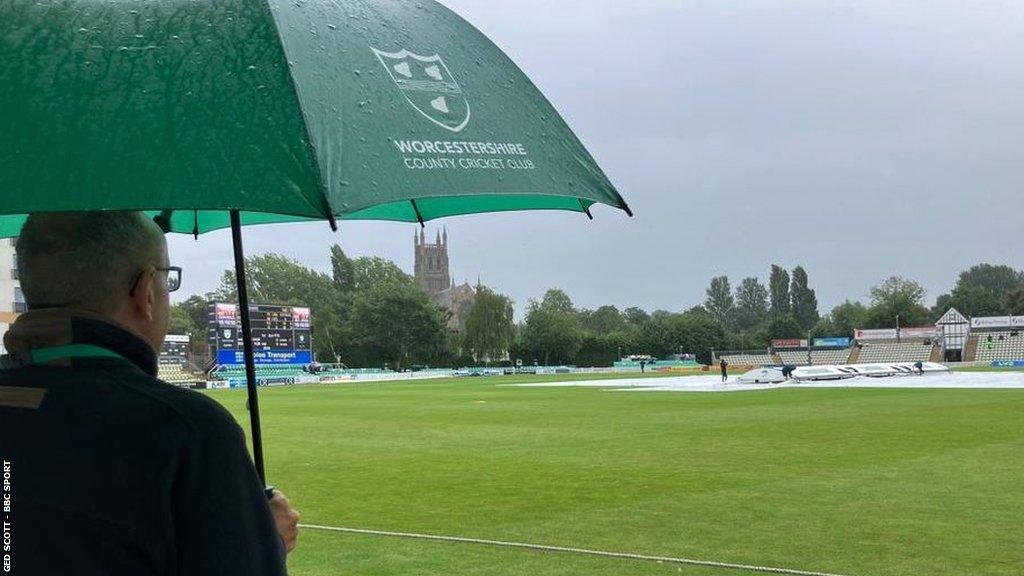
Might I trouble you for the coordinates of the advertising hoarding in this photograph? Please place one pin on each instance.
(991, 322)
(875, 334)
(833, 342)
(918, 332)
(1008, 363)
(789, 343)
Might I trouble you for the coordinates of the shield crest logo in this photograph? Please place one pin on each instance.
(428, 86)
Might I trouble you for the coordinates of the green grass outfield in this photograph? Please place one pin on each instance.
(851, 481)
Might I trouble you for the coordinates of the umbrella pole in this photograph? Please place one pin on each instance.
(250, 363)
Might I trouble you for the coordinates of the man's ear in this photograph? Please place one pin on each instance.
(143, 299)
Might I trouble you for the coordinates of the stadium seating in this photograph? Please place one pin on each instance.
(818, 357)
(751, 358)
(1004, 346)
(176, 374)
(893, 351)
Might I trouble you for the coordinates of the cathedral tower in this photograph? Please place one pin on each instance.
(431, 270)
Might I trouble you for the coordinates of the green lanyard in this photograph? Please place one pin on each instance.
(44, 355)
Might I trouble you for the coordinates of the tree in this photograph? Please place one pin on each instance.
(843, 320)
(604, 320)
(658, 336)
(397, 323)
(943, 303)
(489, 325)
(896, 289)
(191, 317)
(603, 349)
(982, 290)
(751, 303)
(778, 288)
(974, 301)
(635, 317)
(371, 272)
(804, 303)
(1015, 302)
(894, 297)
(180, 322)
(276, 279)
(272, 278)
(719, 300)
(999, 281)
(197, 308)
(695, 331)
(698, 332)
(784, 327)
(552, 328)
(343, 271)
(559, 301)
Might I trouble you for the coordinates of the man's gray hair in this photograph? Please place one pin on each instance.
(84, 260)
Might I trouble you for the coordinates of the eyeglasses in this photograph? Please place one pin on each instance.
(173, 278)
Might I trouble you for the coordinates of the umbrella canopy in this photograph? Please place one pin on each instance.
(284, 111)
(216, 113)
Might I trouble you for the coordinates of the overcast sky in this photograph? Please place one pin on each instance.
(859, 139)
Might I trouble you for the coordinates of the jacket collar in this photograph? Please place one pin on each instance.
(49, 327)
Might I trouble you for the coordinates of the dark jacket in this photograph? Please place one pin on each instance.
(114, 472)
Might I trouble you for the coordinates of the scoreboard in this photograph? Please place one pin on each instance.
(174, 349)
(280, 334)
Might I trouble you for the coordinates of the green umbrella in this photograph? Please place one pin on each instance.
(216, 113)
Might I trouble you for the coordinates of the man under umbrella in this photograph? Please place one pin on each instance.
(113, 471)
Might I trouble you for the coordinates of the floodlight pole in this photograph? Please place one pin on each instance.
(250, 363)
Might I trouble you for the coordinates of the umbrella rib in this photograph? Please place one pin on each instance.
(310, 144)
(586, 210)
(419, 217)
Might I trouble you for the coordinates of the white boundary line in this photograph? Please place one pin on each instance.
(628, 555)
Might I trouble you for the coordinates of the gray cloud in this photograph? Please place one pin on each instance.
(858, 139)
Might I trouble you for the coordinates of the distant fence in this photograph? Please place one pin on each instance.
(233, 378)
(655, 365)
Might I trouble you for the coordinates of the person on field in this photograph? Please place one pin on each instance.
(725, 367)
(919, 366)
(113, 471)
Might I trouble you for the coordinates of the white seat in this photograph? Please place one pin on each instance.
(1004, 346)
(892, 351)
(747, 358)
(818, 357)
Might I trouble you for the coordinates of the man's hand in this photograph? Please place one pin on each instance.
(287, 519)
